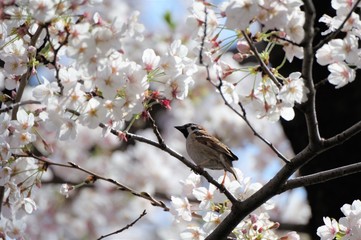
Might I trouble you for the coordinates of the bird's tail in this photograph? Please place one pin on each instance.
(231, 170)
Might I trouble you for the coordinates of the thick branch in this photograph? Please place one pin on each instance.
(343, 136)
(243, 209)
(310, 106)
(321, 177)
(280, 184)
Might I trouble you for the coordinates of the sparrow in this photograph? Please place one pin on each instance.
(206, 150)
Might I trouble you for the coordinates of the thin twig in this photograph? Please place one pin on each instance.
(156, 130)
(126, 227)
(18, 104)
(121, 186)
(171, 152)
(41, 159)
(287, 40)
(263, 65)
(338, 30)
(203, 37)
(56, 51)
(186, 162)
(321, 83)
(244, 117)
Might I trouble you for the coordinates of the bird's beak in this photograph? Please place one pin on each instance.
(183, 130)
(180, 128)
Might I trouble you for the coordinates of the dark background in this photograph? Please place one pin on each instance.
(337, 109)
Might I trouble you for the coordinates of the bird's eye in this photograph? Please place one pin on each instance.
(193, 128)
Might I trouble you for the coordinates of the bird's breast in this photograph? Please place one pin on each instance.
(203, 155)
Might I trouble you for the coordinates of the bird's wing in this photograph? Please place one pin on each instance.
(217, 145)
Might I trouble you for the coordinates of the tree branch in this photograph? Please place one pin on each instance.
(243, 209)
(264, 67)
(18, 104)
(156, 131)
(343, 136)
(173, 153)
(121, 186)
(321, 177)
(186, 162)
(279, 181)
(203, 37)
(310, 105)
(126, 227)
(244, 117)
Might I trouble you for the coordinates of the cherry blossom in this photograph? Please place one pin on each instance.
(329, 230)
(347, 227)
(293, 91)
(193, 233)
(14, 65)
(341, 74)
(229, 93)
(294, 28)
(93, 113)
(181, 208)
(65, 189)
(325, 56)
(239, 13)
(150, 60)
(43, 10)
(44, 91)
(213, 207)
(24, 121)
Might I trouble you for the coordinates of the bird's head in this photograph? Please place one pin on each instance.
(188, 128)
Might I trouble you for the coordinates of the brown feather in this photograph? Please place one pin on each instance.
(215, 144)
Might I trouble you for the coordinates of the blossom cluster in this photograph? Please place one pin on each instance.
(91, 82)
(347, 227)
(271, 95)
(341, 55)
(203, 208)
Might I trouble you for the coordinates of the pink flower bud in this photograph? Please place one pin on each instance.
(32, 50)
(243, 47)
(166, 103)
(282, 34)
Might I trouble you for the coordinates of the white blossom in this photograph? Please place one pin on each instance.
(341, 74)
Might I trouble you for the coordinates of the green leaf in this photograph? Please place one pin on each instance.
(168, 19)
